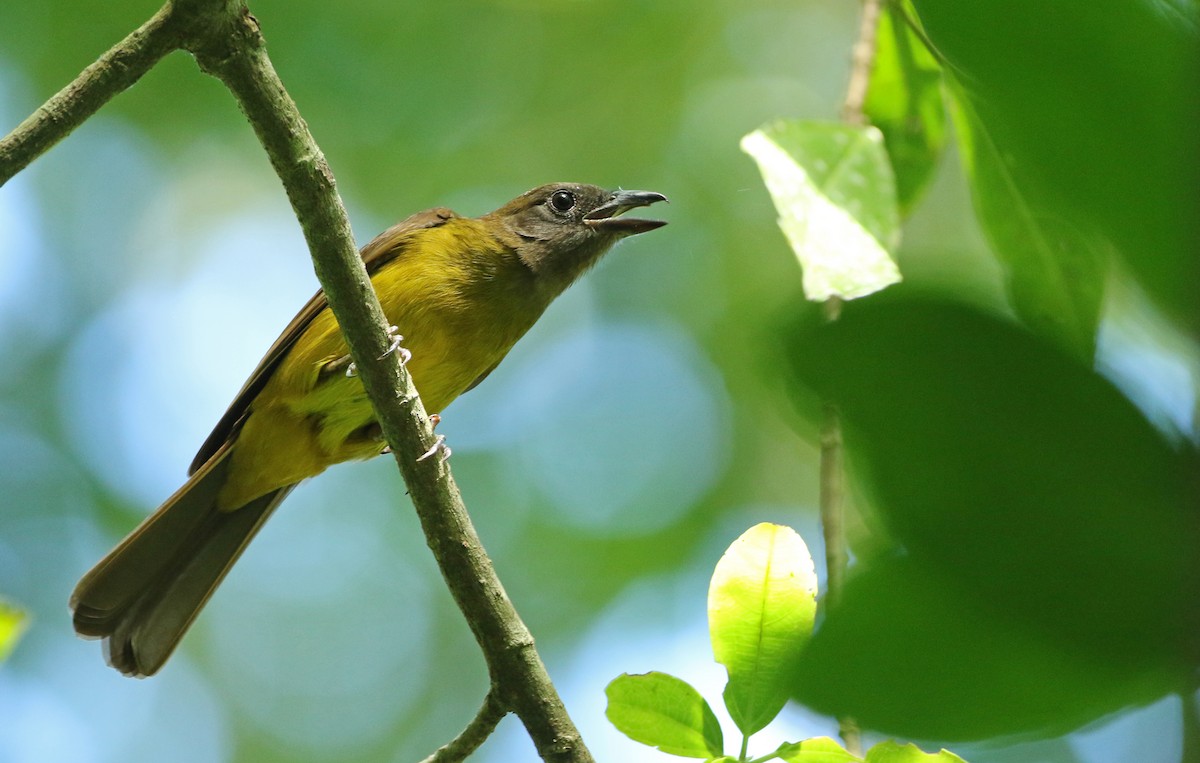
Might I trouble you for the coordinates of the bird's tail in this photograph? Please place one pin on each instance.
(144, 595)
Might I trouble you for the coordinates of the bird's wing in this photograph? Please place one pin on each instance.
(383, 248)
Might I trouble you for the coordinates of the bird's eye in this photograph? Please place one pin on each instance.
(562, 201)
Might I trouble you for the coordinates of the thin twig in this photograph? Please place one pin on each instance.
(112, 73)
(832, 473)
(475, 734)
(862, 58)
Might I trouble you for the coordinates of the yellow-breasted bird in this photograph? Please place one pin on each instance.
(460, 290)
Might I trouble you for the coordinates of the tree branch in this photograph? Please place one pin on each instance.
(476, 732)
(226, 42)
(112, 73)
(234, 52)
(862, 58)
(832, 474)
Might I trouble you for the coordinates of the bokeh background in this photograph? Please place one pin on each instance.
(148, 261)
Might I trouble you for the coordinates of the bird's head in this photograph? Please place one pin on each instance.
(562, 229)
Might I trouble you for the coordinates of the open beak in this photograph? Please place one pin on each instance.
(607, 216)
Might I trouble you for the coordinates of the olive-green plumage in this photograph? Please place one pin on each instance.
(460, 290)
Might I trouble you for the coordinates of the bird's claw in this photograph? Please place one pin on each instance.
(405, 355)
(438, 445)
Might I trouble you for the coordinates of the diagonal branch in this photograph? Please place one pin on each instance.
(233, 51)
(226, 42)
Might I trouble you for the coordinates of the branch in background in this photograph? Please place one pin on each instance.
(476, 732)
(832, 471)
(226, 42)
(862, 58)
(112, 73)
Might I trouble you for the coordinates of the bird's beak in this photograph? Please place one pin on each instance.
(607, 216)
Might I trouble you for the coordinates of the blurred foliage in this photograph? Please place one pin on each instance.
(13, 622)
(904, 100)
(1012, 497)
(1032, 561)
(1093, 111)
(1000, 531)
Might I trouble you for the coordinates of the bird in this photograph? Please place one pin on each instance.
(460, 290)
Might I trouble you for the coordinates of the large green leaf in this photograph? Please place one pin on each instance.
(905, 101)
(761, 606)
(663, 711)
(1093, 108)
(1048, 530)
(1055, 271)
(833, 188)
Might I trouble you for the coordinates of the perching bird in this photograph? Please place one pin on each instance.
(460, 290)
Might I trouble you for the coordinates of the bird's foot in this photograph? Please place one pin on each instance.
(405, 356)
(351, 369)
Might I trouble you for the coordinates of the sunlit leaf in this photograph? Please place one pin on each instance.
(13, 622)
(816, 750)
(905, 101)
(894, 752)
(761, 605)
(663, 711)
(833, 189)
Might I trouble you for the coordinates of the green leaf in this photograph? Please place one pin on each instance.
(13, 622)
(663, 711)
(894, 752)
(1103, 135)
(1055, 271)
(816, 750)
(1045, 532)
(833, 188)
(904, 100)
(761, 606)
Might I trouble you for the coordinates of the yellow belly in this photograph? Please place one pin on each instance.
(455, 325)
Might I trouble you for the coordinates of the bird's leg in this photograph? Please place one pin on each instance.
(336, 366)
